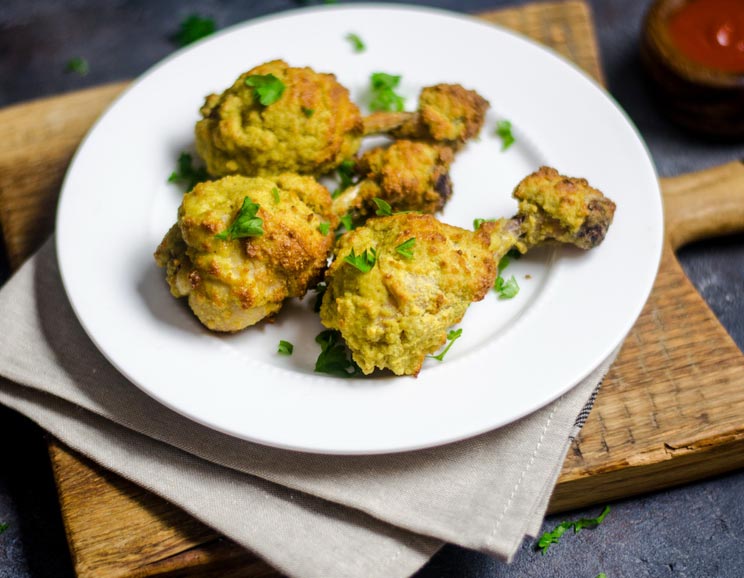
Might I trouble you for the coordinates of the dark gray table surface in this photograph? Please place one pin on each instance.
(692, 531)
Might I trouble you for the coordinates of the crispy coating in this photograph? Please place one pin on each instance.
(447, 114)
(309, 130)
(231, 284)
(398, 312)
(409, 175)
(565, 209)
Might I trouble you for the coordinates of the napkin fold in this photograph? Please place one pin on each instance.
(308, 515)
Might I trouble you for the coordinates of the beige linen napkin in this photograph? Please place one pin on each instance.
(308, 515)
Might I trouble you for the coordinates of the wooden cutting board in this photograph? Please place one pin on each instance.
(670, 410)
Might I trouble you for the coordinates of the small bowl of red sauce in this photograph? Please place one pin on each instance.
(693, 51)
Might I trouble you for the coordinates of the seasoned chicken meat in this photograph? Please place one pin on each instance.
(412, 173)
(398, 311)
(233, 281)
(408, 175)
(425, 273)
(447, 114)
(309, 129)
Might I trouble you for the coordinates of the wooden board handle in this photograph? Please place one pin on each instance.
(704, 204)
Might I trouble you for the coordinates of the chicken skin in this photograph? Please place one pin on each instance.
(309, 129)
(408, 175)
(398, 311)
(232, 282)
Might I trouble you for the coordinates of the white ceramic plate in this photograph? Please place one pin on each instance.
(514, 356)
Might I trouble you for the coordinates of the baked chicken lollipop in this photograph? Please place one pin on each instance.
(399, 282)
(447, 114)
(408, 175)
(243, 245)
(276, 118)
(412, 173)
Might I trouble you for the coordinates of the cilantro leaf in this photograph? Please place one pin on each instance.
(320, 290)
(384, 96)
(506, 289)
(478, 222)
(275, 194)
(246, 224)
(347, 224)
(285, 348)
(512, 254)
(3, 527)
(405, 249)
(383, 207)
(364, 261)
(504, 131)
(452, 336)
(346, 171)
(550, 538)
(193, 28)
(334, 357)
(308, 112)
(601, 575)
(267, 88)
(356, 43)
(78, 65)
(324, 228)
(187, 173)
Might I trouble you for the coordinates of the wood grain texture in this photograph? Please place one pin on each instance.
(670, 410)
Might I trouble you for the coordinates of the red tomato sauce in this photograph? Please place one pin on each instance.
(711, 32)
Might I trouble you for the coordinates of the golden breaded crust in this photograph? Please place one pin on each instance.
(394, 315)
(409, 175)
(232, 284)
(447, 114)
(309, 130)
(565, 209)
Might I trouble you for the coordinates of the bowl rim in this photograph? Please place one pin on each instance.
(659, 45)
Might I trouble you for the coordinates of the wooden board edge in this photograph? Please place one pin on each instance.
(690, 464)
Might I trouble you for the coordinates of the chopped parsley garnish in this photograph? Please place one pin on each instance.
(383, 207)
(308, 112)
(346, 171)
(452, 336)
(187, 173)
(320, 290)
(246, 224)
(405, 249)
(364, 261)
(285, 348)
(193, 28)
(506, 259)
(549, 538)
(275, 193)
(334, 357)
(3, 527)
(356, 43)
(384, 96)
(267, 88)
(347, 223)
(478, 222)
(324, 228)
(506, 288)
(504, 131)
(77, 65)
